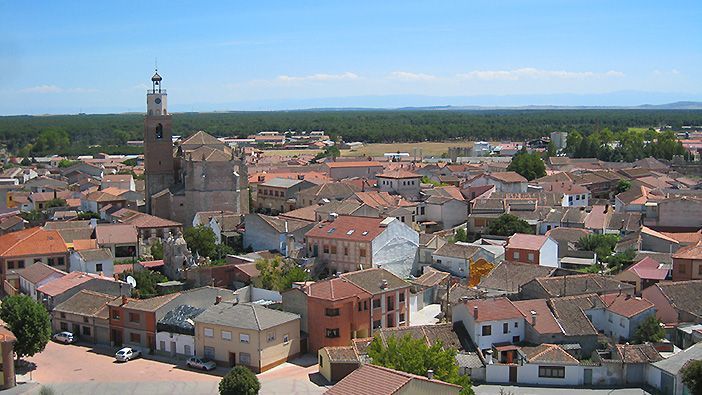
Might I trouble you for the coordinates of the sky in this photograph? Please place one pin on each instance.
(96, 56)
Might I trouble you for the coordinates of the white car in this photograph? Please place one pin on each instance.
(127, 354)
(201, 363)
(65, 337)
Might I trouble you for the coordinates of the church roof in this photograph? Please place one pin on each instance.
(208, 154)
(156, 77)
(201, 138)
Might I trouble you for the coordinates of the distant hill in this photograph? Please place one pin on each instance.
(680, 105)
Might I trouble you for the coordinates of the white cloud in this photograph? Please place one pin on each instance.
(319, 77)
(408, 76)
(533, 73)
(55, 89)
(42, 89)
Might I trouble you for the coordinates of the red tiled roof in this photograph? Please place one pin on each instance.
(32, 241)
(152, 264)
(376, 380)
(545, 321)
(116, 234)
(85, 244)
(142, 220)
(497, 309)
(597, 218)
(526, 242)
(381, 199)
(690, 252)
(399, 173)
(73, 279)
(626, 305)
(347, 227)
(507, 176)
(334, 289)
(365, 163)
(649, 269)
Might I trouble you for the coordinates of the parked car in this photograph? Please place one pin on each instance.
(201, 363)
(127, 354)
(65, 337)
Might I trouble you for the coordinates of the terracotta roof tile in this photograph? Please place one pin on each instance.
(626, 305)
(73, 279)
(32, 241)
(526, 242)
(376, 380)
(348, 228)
(494, 309)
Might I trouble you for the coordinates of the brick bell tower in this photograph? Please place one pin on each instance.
(158, 141)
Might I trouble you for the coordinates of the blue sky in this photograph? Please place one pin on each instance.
(71, 56)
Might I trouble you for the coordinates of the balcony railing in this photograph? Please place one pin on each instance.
(152, 91)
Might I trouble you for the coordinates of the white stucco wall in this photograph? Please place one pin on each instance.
(180, 340)
(460, 312)
(548, 255)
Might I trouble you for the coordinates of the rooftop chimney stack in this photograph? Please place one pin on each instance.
(475, 312)
(533, 318)
(124, 300)
(384, 284)
(430, 374)
(218, 299)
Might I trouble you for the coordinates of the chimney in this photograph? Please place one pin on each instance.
(475, 312)
(533, 318)
(430, 374)
(261, 178)
(606, 208)
(464, 299)
(384, 284)
(218, 299)
(332, 217)
(300, 176)
(124, 300)
(235, 301)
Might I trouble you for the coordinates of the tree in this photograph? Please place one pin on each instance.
(603, 245)
(239, 381)
(691, 374)
(201, 240)
(414, 356)
(623, 186)
(157, 250)
(57, 202)
(551, 150)
(64, 163)
(29, 321)
(26, 161)
(146, 282)
(460, 235)
(528, 165)
(650, 330)
(507, 225)
(278, 274)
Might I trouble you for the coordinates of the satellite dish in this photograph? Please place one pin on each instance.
(131, 281)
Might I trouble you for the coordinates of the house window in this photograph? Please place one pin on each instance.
(402, 297)
(270, 337)
(699, 269)
(86, 331)
(331, 333)
(186, 350)
(346, 250)
(115, 314)
(402, 318)
(20, 264)
(63, 315)
(10, 264)
(134, 317)
(86, 320)
(286, 339)
(332, 312)
(365, 305)
(243, 338)
(516, 324)
(377, 324)
(208, 332)
(162, 345)
(681, 268)
(226, 335)
(505, 327)
(515, 339)
(516, 254)
(376, 303)
(98, 267)
(321, 361)
(391, 303)
(135, 338)
(64, 326)
(487, 330)
(325, 249)
(333, 249)
(554, 372)
(390, 320)
(209, 352)
(360, 306)
(530, 257)
(60, 261)
(362, 252)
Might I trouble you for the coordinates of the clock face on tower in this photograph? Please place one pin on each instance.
(158, 100)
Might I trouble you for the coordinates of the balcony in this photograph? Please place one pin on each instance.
(155, 91)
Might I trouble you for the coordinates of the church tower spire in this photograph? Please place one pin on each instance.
(158, 141)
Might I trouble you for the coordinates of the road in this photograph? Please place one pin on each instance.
(75, 369)
(512, 390)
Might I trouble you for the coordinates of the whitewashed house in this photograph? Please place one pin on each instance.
(490, 321)
(97, 261)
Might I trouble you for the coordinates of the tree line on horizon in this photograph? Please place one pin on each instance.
(79, 134)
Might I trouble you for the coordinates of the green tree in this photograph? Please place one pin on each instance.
(29, 321)
(146, 282)
(26, 161)
(623, 186)
(460, 235)
(201, 240)
(239, 381)
(157, 250)
(57, 202)
(414, 356)
(528, 165)
(278, 274)
(551, 150)
(130, 162)
(64, 163)
(507, 225)
(619, 261)
(650, 330)
(691, 374)
(601, 244)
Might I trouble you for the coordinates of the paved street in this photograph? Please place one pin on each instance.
(72, 369)
(511, 390)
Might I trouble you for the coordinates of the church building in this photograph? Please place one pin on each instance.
(199, 173)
